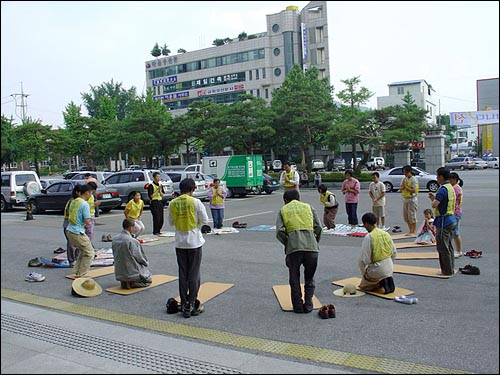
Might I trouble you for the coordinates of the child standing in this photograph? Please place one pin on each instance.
(427, 234)
(330, 204)
(377, 194)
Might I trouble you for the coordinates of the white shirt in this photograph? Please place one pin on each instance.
(377, 189)
(193, 238)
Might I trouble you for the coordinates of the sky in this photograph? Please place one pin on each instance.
(58, 50)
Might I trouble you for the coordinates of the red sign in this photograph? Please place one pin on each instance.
(417, 145)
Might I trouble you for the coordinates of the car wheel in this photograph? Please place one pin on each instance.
(35, 209)
(5, 206)
(106, 210)
(230, 193)
(433, 186)
(462, 168)
(388, 186)
(269, 191)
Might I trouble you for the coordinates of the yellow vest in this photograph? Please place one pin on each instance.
(291, 174)
(216, 199)
(135, 208)
(183, 213)
(406, 193)
(297, 216)
(66, 208)
(324, 198)
(157, 195)
(73, 209)
(450, 208)
(92, 205)
(381, 245)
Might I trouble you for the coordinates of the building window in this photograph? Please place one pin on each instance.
(322, 73)
(250, 75)
(266, 93)
(319, 34)
(263, 73)
(258, 93)
(321, 55)
(256, 73)
(277, 72)
(276, 52)
(401, 90)
(276, 28)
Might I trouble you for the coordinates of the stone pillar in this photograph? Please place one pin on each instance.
(401, 158)
(434, 150)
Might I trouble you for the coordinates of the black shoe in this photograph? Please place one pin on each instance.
(186, 310)
(307, 308)
(198, 308)
(392, 287)
(298, 309)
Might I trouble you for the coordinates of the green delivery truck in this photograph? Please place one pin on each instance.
(242, 173)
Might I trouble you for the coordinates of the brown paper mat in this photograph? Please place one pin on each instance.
(406, 245)
(95, 273)
(157, 280)
(418, 255)
(210, 290)
(419, 271)
(282, 293)
(158, 241)
(401, 236)
(379, 292)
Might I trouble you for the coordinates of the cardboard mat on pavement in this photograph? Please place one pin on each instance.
(419, 271)
(156, 240)
(401, 236)
(95, 273)
(406, 245)
(379, 292)
(210, 290)
(282, 293)
(417, 255)
(157, 280)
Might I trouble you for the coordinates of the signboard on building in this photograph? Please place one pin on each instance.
(474, 118)
(304, 40)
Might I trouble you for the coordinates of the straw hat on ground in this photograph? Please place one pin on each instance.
(349, 290)
(86, 287)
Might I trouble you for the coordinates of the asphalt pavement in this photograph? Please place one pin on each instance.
(453, 328)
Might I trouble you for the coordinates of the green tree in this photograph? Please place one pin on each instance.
(218, 42)
(32, 137)
(10, 146)
(165, 51)
(242, 36)
(303, 109)
(156, 51)
(352, 98)
(181, 50)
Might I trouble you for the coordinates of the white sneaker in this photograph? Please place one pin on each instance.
(34, 276)
(457, 255)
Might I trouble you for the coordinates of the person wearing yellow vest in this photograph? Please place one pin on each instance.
(217, 195)
(409, 191)
(94, 207)
(289, 178)
(299, 229)
(459, 195)
(330, 204)
(188, 214)
(78, 217)
(155, 194)
(133, 210)
(378, 253)
(443, 203)
(71, 251)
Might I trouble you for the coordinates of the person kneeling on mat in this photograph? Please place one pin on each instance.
(131, 263)
(378, 253)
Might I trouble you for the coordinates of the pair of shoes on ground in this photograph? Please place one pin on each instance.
(406, 300)
(470, 270)
(327, 311)
(188, 311)
(237, 224)
(59, 250)
(106, 238)
(396, 229)
(35, 262)
(34, 277)
(474, 254)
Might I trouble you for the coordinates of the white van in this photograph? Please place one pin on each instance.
(376, 162)
(16, 185)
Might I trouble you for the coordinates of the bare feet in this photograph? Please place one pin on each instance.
(410, 234)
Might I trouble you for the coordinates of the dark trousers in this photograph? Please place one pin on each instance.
(156, 208)
(444, 247)
(309, 259)
(352, 216)
(189, 262)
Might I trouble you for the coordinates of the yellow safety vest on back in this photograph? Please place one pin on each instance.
(406, 193)
(135, 208)
(297, 216)
(381, 245)
(157, 195)
(92, 205)
(183, 213)
(73, 209)
(324, 198)
(290, 174)
(450, 208)
(216, 199)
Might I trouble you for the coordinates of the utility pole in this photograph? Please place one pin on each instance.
(23, 104)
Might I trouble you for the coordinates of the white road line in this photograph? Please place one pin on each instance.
(255, 214)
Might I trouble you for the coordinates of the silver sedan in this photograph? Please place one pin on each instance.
(392, 179)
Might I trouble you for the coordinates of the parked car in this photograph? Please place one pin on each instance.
(202, 185)
(16, 186)
(133, 167)
(277, 165)
(461, 162)
(55, 197)
(392, 179)
(182, 168)
(47, 181)
(269, 184)
(335, 165)
(210, 181)
(127, 182)
(480, 163)
(493, 162)
(99, 176)
(375, 163)
(317, 164)
(68, 174)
